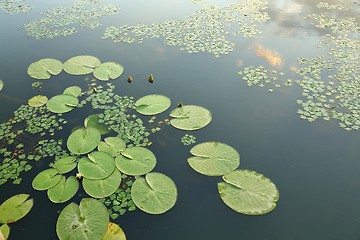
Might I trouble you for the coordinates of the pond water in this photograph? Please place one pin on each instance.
(315, 165)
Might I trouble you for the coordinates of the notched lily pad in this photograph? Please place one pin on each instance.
(37, 101)
(190, 117)
(98, 165)
(81, 65)
(136, 161)
(65, 164)
(93, 121)
(83, 140)
(112, 145)
(152, 104)
(62, 103)
(108, 70)
(44, 68)
(114, 232)
(46, 179)
(73, 91)
(15, 208)
(63, 190)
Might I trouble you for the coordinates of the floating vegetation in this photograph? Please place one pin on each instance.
(205, 31)
(108, 70)
(152, 104)
(45, 68)
(263, 77)
(12, 210)
(1, 85)
(190, 117)
(37, 101)
(61, 21)
(81, 65)
(114, 232)
(188, 139)
(14, 6)
(331, 82)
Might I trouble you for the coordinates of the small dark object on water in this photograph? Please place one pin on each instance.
(151, 78)
(180, 105)
(129, 79)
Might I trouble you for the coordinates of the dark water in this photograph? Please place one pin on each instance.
(314, 165)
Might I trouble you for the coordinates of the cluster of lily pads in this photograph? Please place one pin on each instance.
(188, 139)
(205, 31)
(14, 6)
(60, 21)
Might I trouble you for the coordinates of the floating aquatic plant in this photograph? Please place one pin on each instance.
(37, 101)
(1, 85)
(190, 117)
(81, 65)
(108, 70)
(188, 139)
(45, 68)
(14, 6)
(152, 104)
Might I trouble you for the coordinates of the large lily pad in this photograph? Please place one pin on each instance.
(108, 70)
(62, 103)
(46, 179)
(93, 121)
(152, 104)
(64, 190)
(98, 165)
(154, 194)
(81, 65)
(112, 145)
(99, 188)
(83, 140)
(37, 101)
(114, 232)
(136, 161)
(73, 91)
(4, 231)
(15, 208)
(190, 117)
(65, 164)
(88, 221)
(248, 192)
(214, 158)
(44, 68)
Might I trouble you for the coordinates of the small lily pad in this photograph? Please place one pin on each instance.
(81, 65)
(114, 232)
(248, 192)
(44, 68)
(1, 85)
(63, 190)
(152, 104)
(65, 164)
(154, 194)
(15, 208)
(190, 117)
(83, 140)
(214, 158)
(112, 145)
(136, 161)
(93, 121)
(46, 179)
(62, 103)
(37, 101)
(108, 70)
(99, 188)
(98, 165)
(88, 221)
(73, 91)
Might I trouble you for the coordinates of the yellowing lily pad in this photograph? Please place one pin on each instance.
(38, 101)
(108, 70)
(81, 65)
(4, 231)
(114, 232)
(15, 208)
(44, 68)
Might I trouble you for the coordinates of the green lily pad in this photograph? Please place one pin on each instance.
(190, 117)
(136, 161)
(44, 68)
(114, 232)
(37, 101)
(99, 188)
(214, 158)
(248, 192)
(93, 121)
(65, 164)
(46, 179)
(88, 221)
(64, 190)
(154, 194)
(4, 231)
(83, 140)
(81, 65)
(73, 91)
(98, 165)
(15, 208)
(108, 70)
(62, 103)
(112, 145)
(152, 104)
(1, 85)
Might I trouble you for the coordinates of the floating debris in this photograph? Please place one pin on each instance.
(151, 78)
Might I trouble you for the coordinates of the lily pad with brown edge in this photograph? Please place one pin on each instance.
(88, 221)
(15, 208)
(46, 179)
(4, 231)
(44, 68)
(37, 101)
(64, 190)
(114, 232)
(81, 65)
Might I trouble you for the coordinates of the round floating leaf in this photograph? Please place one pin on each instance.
(248, 192)
(103, 187)
(214, 158)
(93, 121)
(83, 140)
(64, 190)
(65, 164)
(62, 103)
(108, 70)
(44, 68)
(98, 165)
(152, 104)
(15, 208)
(155, 194)
(38, 101)
(46, 179)
(73, 91)
(88, 221)
(81, 65)
(190, 117)
(136, 161)
(112, 145)
(1, 85)
(114, 232)
(5, 231)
